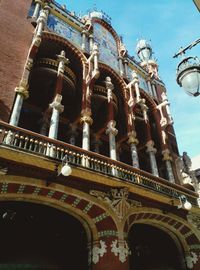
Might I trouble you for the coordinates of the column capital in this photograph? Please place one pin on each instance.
(86, 117)
(132, 138)
(150, 147)
(56, 104)
(166, 155)
(22, 89)
(111, 128)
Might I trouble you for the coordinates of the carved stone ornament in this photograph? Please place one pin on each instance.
(97, 251)
(117, 199)
(194, 219)
(86, 117)
(166, 155)
(56, 104)
(132, 138)
(121, 249)
(22, 89)
(111, 128)
(192, 260)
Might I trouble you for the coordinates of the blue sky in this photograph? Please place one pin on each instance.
(169, 24)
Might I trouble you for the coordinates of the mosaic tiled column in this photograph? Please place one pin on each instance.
(57, 109)
(22, 93)
(38, 4)
(151, 151)
(133, 141)
(86, 120)
(42, 20)
(168, 161)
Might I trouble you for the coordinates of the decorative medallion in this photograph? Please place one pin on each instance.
(117, 199)
(121, 249)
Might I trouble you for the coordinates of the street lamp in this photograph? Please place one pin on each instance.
(188, 75)
(188, 71)
(144, 50)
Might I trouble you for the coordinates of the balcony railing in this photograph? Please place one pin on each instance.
(24, 140)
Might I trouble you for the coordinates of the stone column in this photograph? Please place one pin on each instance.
(135, 82)
(42, 20)
(57, 109)
(22, 93)
(168, 159)
(83, 45)
(86, 120)
(38, 4)
(126, 67)
(109, 253)
(96, 56)
(112, 132)
(91, 43)
(166, 103)
(151, 151)
(150, 88)
(121, 68)
(154, 90)
(132, 140)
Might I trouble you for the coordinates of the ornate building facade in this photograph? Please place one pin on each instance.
(91, 176)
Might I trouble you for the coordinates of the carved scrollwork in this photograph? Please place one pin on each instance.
(118, 200)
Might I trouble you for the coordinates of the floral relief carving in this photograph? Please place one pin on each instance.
(192, 260)
(117, 199)
(121, 249)
(97, 251)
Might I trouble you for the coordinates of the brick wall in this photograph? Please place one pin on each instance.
(15, 38)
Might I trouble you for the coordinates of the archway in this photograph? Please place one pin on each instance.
(153, 249)
(35, 236)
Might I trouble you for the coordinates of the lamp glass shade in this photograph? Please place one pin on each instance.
(191, 82)
(145, 54)
(66, 170)
(187, 205)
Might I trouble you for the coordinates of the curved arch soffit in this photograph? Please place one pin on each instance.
(115, 75)
(165, 222)
(54, 37)
(81, 205)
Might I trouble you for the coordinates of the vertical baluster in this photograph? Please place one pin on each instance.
(15, 139)
(36, 145)
(44, 152)
(31, 144)
(58, 152)
(26, 142)
(62, 153)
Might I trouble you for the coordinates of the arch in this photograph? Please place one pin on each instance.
(54, 37)
(33, 234)
(174, 225)
(95, 218)
(154, 248)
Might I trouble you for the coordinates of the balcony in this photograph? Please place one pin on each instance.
(38, 146)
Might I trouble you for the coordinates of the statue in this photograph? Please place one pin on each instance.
(187, 163)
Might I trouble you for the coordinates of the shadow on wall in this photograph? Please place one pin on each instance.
(4, 111)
